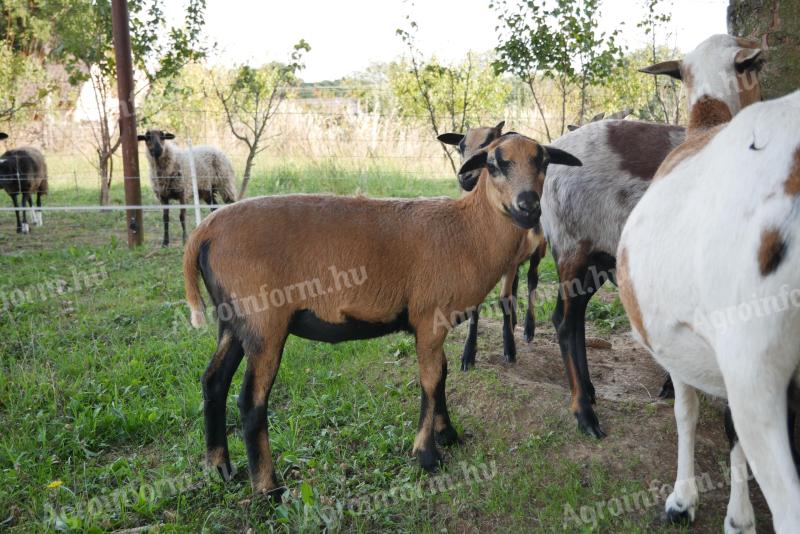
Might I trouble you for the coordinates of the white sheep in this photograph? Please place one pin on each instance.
(707, 273)
(171, 178)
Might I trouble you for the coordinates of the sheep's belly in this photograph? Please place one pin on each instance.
(689, 357)
(306, 324)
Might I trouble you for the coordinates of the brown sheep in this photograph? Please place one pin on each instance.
(424, 263)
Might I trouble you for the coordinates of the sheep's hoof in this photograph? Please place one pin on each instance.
(430, 459)
(589, 425)
(468, 358)
(510, 353)
(678, 517)
(165, 244)
(275, 494)
(38, 218)
(24, 229)
(530, 328)
(447, 437)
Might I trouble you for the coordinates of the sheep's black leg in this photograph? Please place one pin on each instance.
(262, 366)
(39, 208)
(514, 293)
(471, 344)
(15, 201)
(183, 224)
(667, 390)
(26, 202)
(165, 242)
(533, 283)
(216, 383)
(508, 305)
(574, 299)
(444, 433)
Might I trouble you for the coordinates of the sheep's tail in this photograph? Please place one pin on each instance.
(191, 274)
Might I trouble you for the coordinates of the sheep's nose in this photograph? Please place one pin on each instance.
(528, 203)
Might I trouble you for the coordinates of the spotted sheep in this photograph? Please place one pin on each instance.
(23, 171)
(468, 143)
(708, 263)
(171, 178)
(424, 259)
(583, 212)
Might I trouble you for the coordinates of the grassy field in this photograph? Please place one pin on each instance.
(101, 408)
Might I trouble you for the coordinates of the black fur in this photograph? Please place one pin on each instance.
(307, 325)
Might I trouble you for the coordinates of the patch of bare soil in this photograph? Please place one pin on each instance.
(641, 442)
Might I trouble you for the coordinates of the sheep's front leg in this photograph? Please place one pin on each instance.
(682, 503)
(740, 518)
(15, 201)
(508, 305)
(533, 283)
(183, 224)
(471, 344)
(434, 420)
(757, 386)
(262, 367)
(165, 242)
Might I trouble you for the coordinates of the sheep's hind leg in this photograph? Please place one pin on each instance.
(740, 518)
(38, 213)
(682, 503)
(262, 366)
(216, 383)
(757, 398)
(471, 344)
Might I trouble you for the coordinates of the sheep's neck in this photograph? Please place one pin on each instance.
(708, 113)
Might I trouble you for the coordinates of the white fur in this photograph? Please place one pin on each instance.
(692, 245)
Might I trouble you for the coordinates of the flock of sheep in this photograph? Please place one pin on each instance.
(23, 172)
(689, 223)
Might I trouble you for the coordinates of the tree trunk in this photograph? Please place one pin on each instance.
(248, 168)
(105, 179)
(777, 23)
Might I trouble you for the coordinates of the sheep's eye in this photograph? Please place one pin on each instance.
(492, 169)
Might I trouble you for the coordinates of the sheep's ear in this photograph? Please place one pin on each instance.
(572, 127)
(451, 138)
(3, 136)
(500, 125)
(477, 161)
(141, 137)
(749, 59)
(559, 157)
(168, 135)
(598, 117)
(668, 68)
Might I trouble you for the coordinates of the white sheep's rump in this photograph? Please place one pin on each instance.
(712, 254)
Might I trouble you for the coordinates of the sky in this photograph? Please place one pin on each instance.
(346, 36)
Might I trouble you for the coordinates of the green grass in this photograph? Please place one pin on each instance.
(100, 397)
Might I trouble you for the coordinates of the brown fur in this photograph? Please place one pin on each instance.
(427, 257)
(749, 88)
(689, 148)
(627, 294)
(792, 183)
(771, 251)
(640, 146)
(707, 113)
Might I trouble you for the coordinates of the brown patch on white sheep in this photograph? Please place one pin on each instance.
(627, 295)
(792, 184)
(771, 252)
(641, 146)
(689, 148)
(709, 112)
